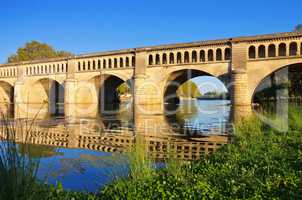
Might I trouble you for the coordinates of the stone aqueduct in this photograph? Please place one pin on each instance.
(241, 63)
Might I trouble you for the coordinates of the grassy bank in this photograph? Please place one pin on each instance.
(261, 163)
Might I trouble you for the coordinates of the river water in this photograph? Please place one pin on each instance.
(88, 153)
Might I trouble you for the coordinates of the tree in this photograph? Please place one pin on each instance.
(298, 28)
(188, 90)
(34, 51)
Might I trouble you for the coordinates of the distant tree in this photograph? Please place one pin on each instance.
(34, 51)
(189, 90)
(123, 89)
(298, 28)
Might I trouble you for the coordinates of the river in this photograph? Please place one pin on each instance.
(88, 153)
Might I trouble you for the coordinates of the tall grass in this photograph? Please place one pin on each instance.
(18, 171)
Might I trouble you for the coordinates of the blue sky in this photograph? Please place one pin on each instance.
(94, 25)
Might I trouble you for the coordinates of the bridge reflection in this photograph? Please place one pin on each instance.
(158, 141)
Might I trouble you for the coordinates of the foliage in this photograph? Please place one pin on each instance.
(188, 90)
(123, 89)
(34, 51)
(298, 28)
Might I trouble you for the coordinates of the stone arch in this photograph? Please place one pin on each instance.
(252, 52)
(202, 55)
(171, 58)
(218, 54)
(150, 59)
(157, 59)
(96, 95)
(194, 56)
(271, 50)
(282, 49)
(293, 49)
(210, 55)
(256, 81)
(261, 51)
(44, 98)
(227, 53)
(164, 58)
(178, 77)
(178, 58)
(6, 98)
(186, 57)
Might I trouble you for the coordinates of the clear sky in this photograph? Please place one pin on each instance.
(83, 26)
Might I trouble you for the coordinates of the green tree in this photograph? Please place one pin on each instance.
(189, 90)
(34, 51)
(123, 89)
(298, 28)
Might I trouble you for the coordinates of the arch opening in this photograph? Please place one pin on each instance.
(279, 89)
(271, 50)
(261, 51)
(46, 97)
(6, 99)
(195, 100)
(185, 84)
(112, 92)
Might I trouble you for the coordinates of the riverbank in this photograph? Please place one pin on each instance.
(260, 163)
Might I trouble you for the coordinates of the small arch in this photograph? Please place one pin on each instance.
(99, 64)
(187, 57)
(104, 64)
(282, 49)
(79, 66)
(121, 62)
(157, 59)
(178, 58)
(63, 67)
(271, 50)
(115, 62)
(218, 55)
(93, 64)
(301, 48)
(202, 55)
(171, 58)
(84, 66)
(133, 61)
(110, 63)
(261, 51)
(210, 55)
(45, 69)
(58, 67)
(194, 56)
(88, 65)
(293, 49)
(54, 68)
(127, 61)
(252, 52)
(164, 58)
(150, 59)
(227, 54)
